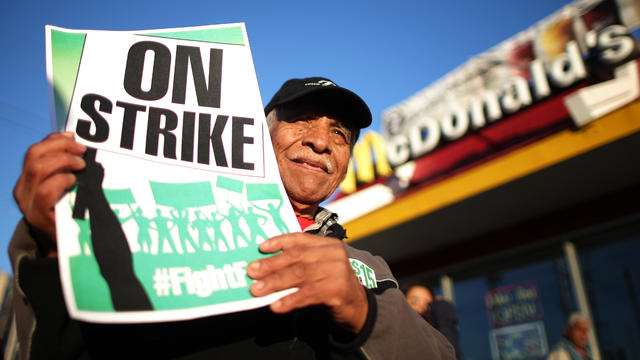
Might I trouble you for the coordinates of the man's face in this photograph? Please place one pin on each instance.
(312, 148)
(419, 298)
(578, 333)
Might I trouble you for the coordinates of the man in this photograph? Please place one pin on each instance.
(313, 124)
(573, 346)
(419, 298)
(437, 312)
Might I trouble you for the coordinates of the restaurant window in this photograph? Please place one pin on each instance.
(611, 269)
(513, 307)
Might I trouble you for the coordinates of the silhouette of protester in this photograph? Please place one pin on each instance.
(201, 223)
(234, 219)
(108, 240)
(181, 219)
(84, 236)
(274, 212)
(219, 237)
(144, 224)
(255, 222)
(164, 231)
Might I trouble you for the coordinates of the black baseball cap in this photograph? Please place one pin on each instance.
(357, 111)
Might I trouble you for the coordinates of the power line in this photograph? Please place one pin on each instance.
(23, 126)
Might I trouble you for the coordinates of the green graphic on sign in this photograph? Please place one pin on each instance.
(229, 184)
(262, 192)
(193, 251)
(230, 35)
(181, 196)
(66, 50)
(119, 196)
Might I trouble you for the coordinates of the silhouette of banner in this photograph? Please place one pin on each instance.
(119, 196)
(229, 184)
(182, 196)
(263, 192)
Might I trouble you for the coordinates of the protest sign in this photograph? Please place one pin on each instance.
(181, 183)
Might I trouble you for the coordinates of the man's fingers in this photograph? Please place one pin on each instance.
(319, 267)
(45, 159)
(55, 142)
(296, 255)
(345, 298)
(293, 276)
(295, 248)
(53, 187)
(41, 210)
(303, 259)
(306, 276)
(304, 297)
(28, 188)
(281, 242)
(52, 163)
(332, 292)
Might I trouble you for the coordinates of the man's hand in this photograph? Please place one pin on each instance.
(46, 174)
(319, 267)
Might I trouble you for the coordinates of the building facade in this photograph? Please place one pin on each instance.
(512, 185)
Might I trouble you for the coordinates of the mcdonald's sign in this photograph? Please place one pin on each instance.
(368, 160)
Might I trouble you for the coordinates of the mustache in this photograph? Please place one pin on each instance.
(303, 156)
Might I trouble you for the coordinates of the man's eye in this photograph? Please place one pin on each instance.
(342, 133)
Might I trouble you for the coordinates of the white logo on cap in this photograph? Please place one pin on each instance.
(321, 83)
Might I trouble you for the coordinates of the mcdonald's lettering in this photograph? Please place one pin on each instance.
(363, 162)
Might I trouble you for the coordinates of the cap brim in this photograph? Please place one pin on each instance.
(345, 100)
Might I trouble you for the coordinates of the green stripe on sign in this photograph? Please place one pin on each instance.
(263, 192)
(119, 196)
(230, 35)
(182, 196)
(66, 51)
(229, 184)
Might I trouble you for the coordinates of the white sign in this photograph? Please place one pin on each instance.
(181, 183)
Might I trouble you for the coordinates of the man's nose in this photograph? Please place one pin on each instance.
(317, 136)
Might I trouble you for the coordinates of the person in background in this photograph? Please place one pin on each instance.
(573, 345)
(441, 314)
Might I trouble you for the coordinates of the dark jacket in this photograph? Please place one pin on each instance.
(445, 320)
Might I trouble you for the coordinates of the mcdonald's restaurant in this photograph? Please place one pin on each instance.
(512, 187)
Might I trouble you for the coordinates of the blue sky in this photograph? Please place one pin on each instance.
(383, 50)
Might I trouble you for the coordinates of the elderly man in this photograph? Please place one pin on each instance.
(573, 346)
(313, 124)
